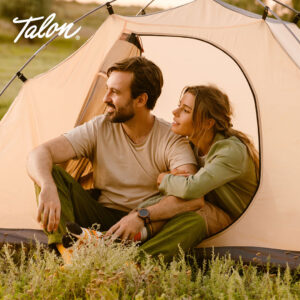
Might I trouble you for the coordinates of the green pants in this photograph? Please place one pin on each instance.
(81, 206)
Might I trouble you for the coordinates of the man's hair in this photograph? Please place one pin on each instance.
(147, 77)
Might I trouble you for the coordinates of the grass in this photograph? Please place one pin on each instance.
(13, 56)
(111, 272)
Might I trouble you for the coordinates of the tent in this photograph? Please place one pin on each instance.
(256, 61)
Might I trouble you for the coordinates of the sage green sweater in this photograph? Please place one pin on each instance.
(227, 179)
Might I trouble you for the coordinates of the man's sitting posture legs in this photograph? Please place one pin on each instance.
(128, 147)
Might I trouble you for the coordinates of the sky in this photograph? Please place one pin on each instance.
(157, 3)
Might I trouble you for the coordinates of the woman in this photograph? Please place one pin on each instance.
(229, 162)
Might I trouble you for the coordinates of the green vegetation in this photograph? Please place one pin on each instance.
(111, 272)
(13, 56)
(24, 9)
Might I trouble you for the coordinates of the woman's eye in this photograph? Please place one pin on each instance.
(187, 111)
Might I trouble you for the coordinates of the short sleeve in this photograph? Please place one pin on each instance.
(179, 152)
(83, 138)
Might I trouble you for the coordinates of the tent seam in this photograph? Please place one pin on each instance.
(192, 27)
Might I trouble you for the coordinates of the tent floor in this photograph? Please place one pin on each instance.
(255, 255)
(18, 236)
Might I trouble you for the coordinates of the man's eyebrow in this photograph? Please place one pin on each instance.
(112, 88)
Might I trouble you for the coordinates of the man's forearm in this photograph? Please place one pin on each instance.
(39, 166)
(170, 206)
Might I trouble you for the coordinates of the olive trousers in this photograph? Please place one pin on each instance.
(81, 206)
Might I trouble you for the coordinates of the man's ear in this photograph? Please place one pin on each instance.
(142, 100)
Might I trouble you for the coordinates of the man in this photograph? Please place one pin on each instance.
(128, 148)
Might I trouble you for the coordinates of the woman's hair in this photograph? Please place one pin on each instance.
(211, 103)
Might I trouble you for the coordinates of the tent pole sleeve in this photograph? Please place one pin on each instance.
(283, 23)
(142, 11)
(47, 43)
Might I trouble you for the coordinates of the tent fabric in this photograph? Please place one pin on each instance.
(268, 57)
(274, 76)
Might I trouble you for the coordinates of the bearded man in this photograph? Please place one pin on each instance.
(128, 147)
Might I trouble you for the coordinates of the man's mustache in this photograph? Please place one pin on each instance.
(111, 105)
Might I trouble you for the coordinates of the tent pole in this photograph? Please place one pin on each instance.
(288, 7)
(142, 11)
(297, 16)
(277, 17)
(19, 74)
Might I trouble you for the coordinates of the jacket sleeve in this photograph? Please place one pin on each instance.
(224, 163)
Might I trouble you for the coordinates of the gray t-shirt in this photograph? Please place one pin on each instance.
(126, 172)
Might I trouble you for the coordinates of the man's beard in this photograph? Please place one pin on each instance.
(121, 115)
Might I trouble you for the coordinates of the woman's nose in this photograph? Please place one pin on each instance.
(175, 111)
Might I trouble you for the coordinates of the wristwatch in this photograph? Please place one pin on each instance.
(144, 214)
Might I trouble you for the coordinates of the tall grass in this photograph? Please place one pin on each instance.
(112, 272)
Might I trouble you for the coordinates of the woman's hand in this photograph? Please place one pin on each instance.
(177, 172)
(161, 177)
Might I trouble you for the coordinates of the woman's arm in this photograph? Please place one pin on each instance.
(224, 163)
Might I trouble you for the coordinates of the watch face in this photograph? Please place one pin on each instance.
(144, 213)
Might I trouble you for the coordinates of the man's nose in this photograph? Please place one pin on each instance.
(106, 98)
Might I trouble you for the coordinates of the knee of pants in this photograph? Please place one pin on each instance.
(57, 170)
(60, 175)
(191, 217)
(195, 222)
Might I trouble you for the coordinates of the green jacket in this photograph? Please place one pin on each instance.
(227, 179)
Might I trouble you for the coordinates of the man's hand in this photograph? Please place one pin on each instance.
(127, 227)
(49, 208)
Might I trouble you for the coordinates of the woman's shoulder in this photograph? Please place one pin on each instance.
(231, 148)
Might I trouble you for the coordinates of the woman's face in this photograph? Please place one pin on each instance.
(183, 116)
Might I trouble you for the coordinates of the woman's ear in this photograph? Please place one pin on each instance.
(210, 123)
(142, 100)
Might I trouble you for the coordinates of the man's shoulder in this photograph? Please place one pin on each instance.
(163, 126)
(100, 121)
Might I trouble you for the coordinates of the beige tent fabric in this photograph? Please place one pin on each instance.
(272, 220)
(47, 106)
(82, 169)
(288, 42)
(39, 113)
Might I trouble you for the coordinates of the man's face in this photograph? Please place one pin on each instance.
(118, 97)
